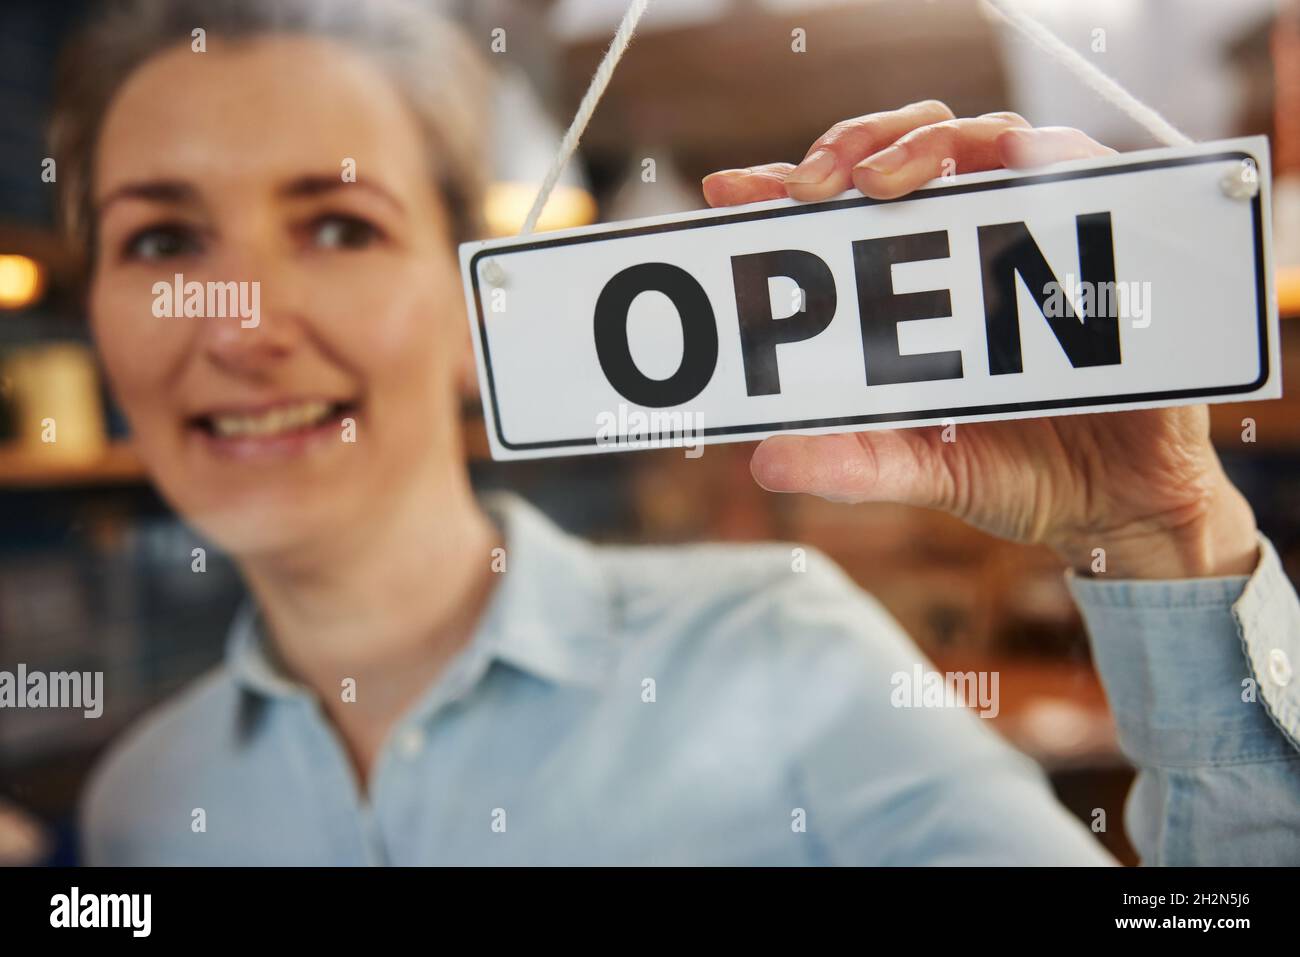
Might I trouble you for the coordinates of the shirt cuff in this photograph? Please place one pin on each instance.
(1199, 671)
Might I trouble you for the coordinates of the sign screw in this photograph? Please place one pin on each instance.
(493, 272)
(1242, 182)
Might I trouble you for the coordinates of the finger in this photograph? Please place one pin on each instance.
(730, 187)
(884, 466)
(827, 168)
(953, 146)
(1021, 149)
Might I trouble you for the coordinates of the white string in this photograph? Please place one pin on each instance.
(599, 81)
(1091, 75)
(1087, 72)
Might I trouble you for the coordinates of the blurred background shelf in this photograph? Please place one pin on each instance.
(20, 468)
(1288, 291)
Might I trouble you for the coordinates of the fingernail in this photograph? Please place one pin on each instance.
(813, 170)
(887, 162)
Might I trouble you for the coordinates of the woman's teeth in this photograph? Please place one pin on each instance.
(274, 421)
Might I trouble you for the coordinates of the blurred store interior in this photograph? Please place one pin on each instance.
(95, 572)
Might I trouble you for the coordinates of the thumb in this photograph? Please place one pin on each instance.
(886, 466)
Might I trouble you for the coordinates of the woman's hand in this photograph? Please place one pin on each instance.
(1145, 486)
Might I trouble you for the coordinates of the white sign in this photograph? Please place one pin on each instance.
(1133, 281)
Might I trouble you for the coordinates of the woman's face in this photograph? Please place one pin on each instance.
(233, 166)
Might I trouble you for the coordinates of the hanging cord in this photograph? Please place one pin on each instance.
(599, 81)
(1090, 75)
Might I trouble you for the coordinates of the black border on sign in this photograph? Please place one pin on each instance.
(1261, 298)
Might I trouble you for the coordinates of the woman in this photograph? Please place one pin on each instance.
(424, 678)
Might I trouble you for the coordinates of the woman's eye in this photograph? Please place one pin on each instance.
(343, 232)
(161, 242)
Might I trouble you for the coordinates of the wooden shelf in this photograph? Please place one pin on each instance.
(20, 468)
(1288, 291)
(42, 244)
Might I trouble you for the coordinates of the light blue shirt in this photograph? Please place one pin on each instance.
(717, 704)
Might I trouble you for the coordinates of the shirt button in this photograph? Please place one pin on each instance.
(411, 741)
(1279, 667)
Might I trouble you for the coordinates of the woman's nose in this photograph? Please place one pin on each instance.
(258, 322)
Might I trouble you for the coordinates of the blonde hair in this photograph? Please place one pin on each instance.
(442, 78)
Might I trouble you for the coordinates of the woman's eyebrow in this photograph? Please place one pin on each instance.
(178, 191)
(318, 185)
(157, 190)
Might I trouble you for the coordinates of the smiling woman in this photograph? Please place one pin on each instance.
(325, 155)
(296, 165)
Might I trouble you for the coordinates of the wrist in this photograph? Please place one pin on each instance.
(1215, 537)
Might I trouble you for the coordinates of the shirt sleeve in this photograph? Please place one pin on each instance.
(1199, 674)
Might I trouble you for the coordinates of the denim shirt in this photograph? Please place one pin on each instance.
(717, 704)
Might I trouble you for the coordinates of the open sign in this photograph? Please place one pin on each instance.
(1131, 281)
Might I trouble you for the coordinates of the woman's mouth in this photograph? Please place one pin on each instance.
(275, 430)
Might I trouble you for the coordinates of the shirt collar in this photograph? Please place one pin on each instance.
(550, 615)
